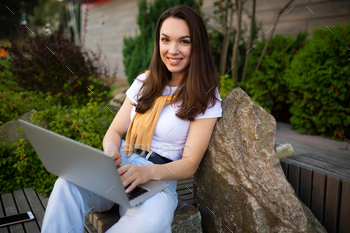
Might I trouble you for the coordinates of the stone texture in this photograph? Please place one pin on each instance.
(117, 101)
(186, 219)
(8, 131)
(239, 185)
(284, 150)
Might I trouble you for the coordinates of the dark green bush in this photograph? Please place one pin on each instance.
(54, 64)
(137, 51)
(226, 85)
(6, 78)
(319, 82)
(21, 167)
(268, 86)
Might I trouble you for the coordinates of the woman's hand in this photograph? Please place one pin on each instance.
(134, 174)
(112, 151)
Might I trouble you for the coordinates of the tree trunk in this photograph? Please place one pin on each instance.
(225, 45)
(235, 46)
(268, 40)
(250, 43)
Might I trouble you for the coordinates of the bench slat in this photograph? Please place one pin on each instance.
(332, 204)
(2, 229)
(184, 186)
(185, 191)
(305, 186)
(44, 201)
(35, 203)
(21, 201)
(10, 209)
(344, 223)
(294, 177)
(323, 165)
(318, 195)
(186, 181)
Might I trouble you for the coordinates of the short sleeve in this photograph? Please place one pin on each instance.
(213, 112)
(134, 89)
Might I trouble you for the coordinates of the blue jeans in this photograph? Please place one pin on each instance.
(68, 205)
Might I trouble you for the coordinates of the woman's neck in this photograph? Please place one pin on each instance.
(175, 80)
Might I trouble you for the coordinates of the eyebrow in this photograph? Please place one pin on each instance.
(182, 37)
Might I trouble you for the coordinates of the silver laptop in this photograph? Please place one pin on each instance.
(85, 166)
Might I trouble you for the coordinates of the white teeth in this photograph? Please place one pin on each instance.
(172, 60)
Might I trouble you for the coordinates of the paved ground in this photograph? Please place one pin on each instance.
(307, 143)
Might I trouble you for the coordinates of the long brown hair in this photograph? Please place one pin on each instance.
(198, 84)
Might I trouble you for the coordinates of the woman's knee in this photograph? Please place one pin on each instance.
(63, 186)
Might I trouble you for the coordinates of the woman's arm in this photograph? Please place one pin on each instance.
(196, 144)
(116, 131)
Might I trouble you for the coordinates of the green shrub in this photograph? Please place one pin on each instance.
(21, 167)
(320, 85)
(55, 64)
(7, 82)
(268, 86)
(137, 51)
(226, 85)
(14, 104)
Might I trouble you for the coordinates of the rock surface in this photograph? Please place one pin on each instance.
(117, 101)
(186, 219)
(239, 185)
(8, 131)
(284, 150)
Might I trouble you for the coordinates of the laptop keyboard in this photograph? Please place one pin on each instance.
(137, 191)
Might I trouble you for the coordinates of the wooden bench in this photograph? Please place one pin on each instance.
(104, 220)
(24, 200)
(27, 199)
(321, 182)
(323, 185)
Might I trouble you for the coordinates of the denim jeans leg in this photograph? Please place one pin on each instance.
(68, 205)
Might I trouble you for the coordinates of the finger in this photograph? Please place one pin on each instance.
(133, 184)
(116, 156)
(118, 161)
(124, 169)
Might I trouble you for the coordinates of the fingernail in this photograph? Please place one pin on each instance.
(127, 190)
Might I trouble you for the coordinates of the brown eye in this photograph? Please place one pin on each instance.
(164, 40)
(185, 42)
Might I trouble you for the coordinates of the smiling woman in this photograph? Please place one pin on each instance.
(169, 115)
(175, 47)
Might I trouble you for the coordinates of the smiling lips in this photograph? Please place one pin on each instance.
(174, 61)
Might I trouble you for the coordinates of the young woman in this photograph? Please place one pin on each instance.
(171, 109)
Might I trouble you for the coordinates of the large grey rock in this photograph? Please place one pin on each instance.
(117, 101)
(186, 219)
(239, 185)
(9, 131)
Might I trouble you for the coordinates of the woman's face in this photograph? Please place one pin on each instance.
(175, 45)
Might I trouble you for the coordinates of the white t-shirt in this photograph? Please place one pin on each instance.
(171, 132)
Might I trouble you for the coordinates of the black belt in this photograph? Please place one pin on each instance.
(154, 157)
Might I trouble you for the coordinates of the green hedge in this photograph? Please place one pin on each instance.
(20, 166)
(319, 83)
(268, 86)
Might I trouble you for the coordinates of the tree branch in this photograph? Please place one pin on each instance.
(268, 40)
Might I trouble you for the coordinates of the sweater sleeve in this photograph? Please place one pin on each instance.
(213, 112)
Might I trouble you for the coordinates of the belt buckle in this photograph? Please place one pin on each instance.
(145, 153)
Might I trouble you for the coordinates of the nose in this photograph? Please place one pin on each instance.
(173, 48)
